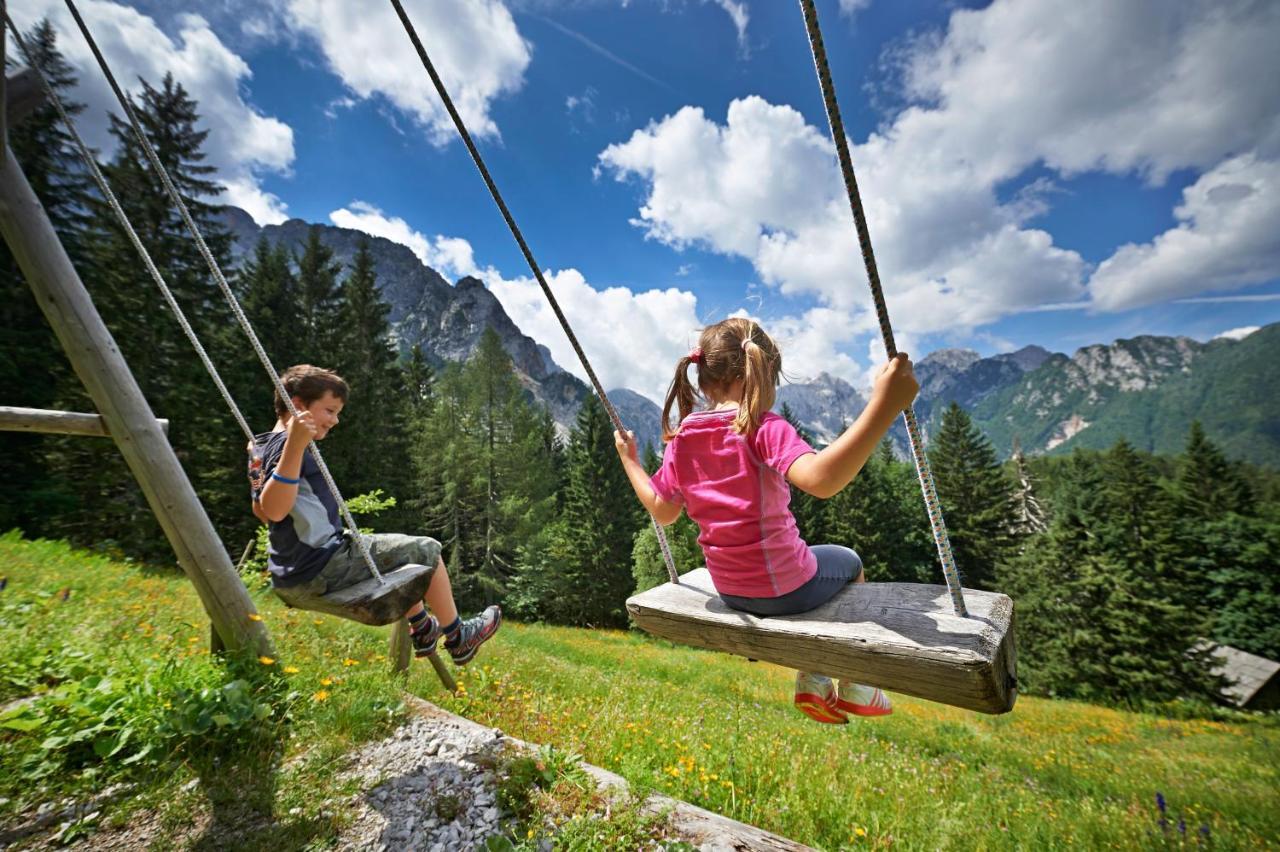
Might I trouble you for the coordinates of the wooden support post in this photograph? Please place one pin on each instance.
(23, 96)
(115, 393)
(4, 70)
(401, 650)
(14, 419)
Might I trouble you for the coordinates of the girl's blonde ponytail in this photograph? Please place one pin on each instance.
(682, 394)
(759, 378)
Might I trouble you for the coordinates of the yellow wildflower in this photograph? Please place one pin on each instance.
(320, 695)
(290, 669)
(327, 682)
(253, 616)
(350, 662)
(267, 661)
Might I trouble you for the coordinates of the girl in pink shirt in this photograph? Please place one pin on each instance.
(729, 465)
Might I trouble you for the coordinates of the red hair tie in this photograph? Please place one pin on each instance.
(695, 355)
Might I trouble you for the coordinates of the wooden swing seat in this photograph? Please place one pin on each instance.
(377, 603)
(904, 637)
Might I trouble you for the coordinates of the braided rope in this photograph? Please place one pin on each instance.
(103, 186)
(221, 281)
(932, 506)
(528, 255)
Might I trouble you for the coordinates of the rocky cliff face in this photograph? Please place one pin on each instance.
(1044, 400)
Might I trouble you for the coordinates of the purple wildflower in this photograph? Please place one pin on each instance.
(1182, 826)
(1160, 801)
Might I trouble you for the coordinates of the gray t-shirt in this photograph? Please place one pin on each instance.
(303, 541)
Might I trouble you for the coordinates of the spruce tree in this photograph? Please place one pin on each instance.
(33, 368)
(1208, 484)
(373, 439)
(268, 293)
(812, 514)
(318, 321)
(976, 497)
(172, 378)
(578, 570)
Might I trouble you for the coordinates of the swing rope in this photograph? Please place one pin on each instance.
(221, 281)
(98, 178)
(925, 475)
(528, 256)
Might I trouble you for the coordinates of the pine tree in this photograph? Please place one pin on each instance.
(318, 321)
(975, 495)
(172, 378)
(369, 446)
(578, 570)
(268, 293)
(33, 368)
(1208, 485)
(812, 514)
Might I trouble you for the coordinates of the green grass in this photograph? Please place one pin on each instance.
(713, 730)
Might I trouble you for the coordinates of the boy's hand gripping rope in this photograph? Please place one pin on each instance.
(221, 281)
(877, 295)
(528, 255)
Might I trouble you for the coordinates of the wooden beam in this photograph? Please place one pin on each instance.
(23, 95)
(904, 637)
(14, 419)
(106, 376)
(4, 64)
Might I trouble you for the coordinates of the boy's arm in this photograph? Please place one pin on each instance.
(825, 473)
(277, 497)
(663, 511)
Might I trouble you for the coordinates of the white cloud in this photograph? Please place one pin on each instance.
(661, 326)
(243, 144)
(850, 7)
(737, 12)
(1227, 237)
(1238, 333)
(452, 257)
(266, 208)
(1137, 87)
(660, 323)
(474, 45)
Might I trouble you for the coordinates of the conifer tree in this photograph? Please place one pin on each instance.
(369, 446)
(1208, 485)
(578, 571)
(172, 378)
(1028, 513)
(975, 495)
(33, 368)
(813, 515)
(317, 323)
(269, 296)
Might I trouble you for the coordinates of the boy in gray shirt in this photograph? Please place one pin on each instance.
(310, 555)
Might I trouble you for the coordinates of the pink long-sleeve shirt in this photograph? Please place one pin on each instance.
(735, 488)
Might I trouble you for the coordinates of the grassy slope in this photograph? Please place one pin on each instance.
(714, 730)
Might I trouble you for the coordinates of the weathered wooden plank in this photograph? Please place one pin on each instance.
(16, 419)
(899, 636)
(115, 393)
(374, 602)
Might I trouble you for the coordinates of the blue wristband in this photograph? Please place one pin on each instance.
(286, 480)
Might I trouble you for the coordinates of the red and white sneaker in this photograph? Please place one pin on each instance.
(862, 700)
(816, 698)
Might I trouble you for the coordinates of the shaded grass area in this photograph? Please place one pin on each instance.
(710, 729)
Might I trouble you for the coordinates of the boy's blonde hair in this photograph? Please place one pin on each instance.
(309, 383)
(736, 348)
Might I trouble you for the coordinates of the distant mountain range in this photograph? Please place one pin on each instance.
(1147, 390)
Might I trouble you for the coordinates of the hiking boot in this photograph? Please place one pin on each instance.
(473, 633)
(816, 697)
(425, 637)
(862, 700)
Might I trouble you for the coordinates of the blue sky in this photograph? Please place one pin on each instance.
(1033, 173)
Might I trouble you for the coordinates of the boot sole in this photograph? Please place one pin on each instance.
(819, 710)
